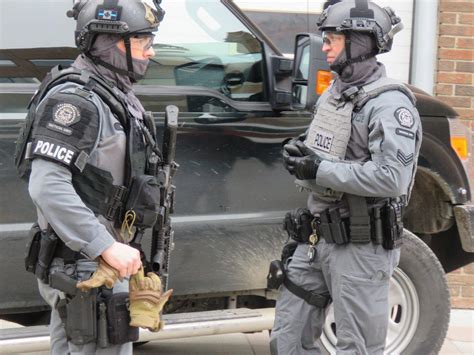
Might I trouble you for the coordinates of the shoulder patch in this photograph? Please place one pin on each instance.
(66, 114)
(65, 126)
(404, 117)
(404, 159)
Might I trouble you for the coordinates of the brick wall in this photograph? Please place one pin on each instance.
(461, 285)
(454, 85)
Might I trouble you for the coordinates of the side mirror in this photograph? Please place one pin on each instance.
(311, 73)
(280, 84)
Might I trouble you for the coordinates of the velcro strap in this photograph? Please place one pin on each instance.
(314, 299)
(145, 295)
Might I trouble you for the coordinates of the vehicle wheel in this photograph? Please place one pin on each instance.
(419, 302)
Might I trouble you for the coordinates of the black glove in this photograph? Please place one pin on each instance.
(290, 151)
(301, 161)
(301, 137)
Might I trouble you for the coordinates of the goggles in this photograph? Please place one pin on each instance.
(142, 42)
(329, 38)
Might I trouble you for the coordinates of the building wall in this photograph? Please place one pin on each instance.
(454, 85)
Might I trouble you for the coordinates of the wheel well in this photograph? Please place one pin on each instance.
(430, 209)
(447, 247)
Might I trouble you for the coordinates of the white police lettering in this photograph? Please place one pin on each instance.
(54, 151)
(322, 141)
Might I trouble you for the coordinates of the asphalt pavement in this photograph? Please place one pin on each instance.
(459, 341)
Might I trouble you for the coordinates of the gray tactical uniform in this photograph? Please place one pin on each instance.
(72, 220)
(380, 162)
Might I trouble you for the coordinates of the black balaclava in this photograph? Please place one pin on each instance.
(357, 73)
(105, 48)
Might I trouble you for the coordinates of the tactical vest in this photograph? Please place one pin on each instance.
(93, 185)
(330, 129)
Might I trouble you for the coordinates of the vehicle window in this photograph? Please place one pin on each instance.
(29, 45)
(201, 43)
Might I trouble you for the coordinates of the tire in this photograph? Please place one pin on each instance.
(419, 301)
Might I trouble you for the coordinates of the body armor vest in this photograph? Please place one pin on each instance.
(94, 185)
(330, 129)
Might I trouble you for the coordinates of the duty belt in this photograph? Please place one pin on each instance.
(64, 252)
(384, 225)
(339, 231)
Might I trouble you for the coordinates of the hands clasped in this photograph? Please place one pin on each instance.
(300, 160)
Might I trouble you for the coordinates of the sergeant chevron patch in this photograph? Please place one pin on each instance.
(404, 159)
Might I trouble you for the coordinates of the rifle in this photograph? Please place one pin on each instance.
(162, 235)
(163, 167)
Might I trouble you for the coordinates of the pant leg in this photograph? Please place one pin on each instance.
(58, 341)
(298, 324)
(360, 276)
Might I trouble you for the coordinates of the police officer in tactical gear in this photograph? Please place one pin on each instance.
(87, 141)
(358, 159)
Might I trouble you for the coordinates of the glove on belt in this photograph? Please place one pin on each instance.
(147, 300)
(104, 275)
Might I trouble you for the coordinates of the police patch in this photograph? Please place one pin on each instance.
(66, 114)
(404, 117)
(321, 140)
(53, 151)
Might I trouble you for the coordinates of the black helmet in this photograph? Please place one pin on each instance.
(126, 18)
(121, 17)
(362, 16)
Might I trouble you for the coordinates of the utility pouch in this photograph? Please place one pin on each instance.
(276, 275)
(144, 200)
(288, 251)
(33, 248)
(392, 225)
(118, 320)
(337, 227)
(49, 241)
(297, 224)
(324, 228)
(81, 317)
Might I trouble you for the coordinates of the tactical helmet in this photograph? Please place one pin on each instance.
(126, 18)
(362, 16)
(121, 17)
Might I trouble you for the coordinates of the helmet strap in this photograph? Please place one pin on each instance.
(134, 77)
(128, 52)
(347, 36)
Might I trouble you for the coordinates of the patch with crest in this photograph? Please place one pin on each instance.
(66, 114)
(404, 117)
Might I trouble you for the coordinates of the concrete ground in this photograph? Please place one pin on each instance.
(459, 341)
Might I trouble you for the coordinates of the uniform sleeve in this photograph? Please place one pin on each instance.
(51, 190)
(66, 127)
(394, 140)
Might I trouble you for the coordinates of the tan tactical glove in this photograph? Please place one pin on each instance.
(104, 275)
(147, 300)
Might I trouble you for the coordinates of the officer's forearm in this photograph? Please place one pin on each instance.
(369, 179)
(52, 192)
